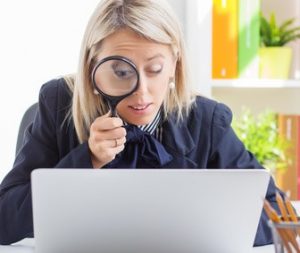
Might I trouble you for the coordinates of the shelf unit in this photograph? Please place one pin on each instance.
(282, 96)
(257, 94)
(254, 83)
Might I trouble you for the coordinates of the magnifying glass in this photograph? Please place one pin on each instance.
(115, 78)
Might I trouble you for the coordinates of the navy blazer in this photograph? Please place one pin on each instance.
(204, 139)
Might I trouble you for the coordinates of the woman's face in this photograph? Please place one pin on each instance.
(156, 65)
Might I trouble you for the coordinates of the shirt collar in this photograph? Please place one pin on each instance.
(151, 127)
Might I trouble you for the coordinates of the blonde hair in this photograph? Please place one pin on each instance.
(152, 19)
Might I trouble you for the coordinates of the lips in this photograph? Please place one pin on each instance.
(143, 109)
(140, 107)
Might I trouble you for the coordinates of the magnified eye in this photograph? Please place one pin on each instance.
(123, 70)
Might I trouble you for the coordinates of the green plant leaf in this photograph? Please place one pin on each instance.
(265, 31)
(286, 24)
(260, 136)
(273, 35)
(273, 21)
(290, 32)
(291, 38)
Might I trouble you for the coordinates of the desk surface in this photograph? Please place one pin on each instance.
(27, 246)
(24, 246)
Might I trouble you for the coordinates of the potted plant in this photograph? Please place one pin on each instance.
(260, 136)
(275, 57)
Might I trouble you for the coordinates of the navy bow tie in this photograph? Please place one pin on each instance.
(142, 150)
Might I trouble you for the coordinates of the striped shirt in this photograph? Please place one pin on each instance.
(154, 127)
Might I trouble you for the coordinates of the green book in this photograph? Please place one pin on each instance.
(248, 45)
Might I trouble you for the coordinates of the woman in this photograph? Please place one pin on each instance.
(161, 124)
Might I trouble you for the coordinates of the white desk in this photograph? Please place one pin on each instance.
(27, 246)
(24, 246)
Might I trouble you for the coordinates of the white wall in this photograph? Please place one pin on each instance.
(40, 40)
(180, 9)
(199, 44)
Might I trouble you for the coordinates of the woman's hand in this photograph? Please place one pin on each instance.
(107, 139)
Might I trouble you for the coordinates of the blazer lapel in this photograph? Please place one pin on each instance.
(178, 142)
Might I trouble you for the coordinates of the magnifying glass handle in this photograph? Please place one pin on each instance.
(112, 107)
(113, 112)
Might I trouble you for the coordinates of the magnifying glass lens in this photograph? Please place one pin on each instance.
(116, 77)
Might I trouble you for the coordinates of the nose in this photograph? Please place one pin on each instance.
(143, 85)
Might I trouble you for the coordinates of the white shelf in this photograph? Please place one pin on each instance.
(254, 83)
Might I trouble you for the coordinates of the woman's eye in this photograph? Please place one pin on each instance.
(123, 73)
(155, 69)
(122, 70)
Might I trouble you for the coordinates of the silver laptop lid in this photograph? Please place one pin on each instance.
(154, 210)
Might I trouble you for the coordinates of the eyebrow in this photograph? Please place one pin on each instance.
(155, 56)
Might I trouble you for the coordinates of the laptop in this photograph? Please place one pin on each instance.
(147, 210)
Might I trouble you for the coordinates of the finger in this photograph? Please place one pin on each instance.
(119, 149)
(117, 142)
(104, 145)
(114, 143)
(121, 141)
(106, 123)
(117, 133)
(111, 153)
